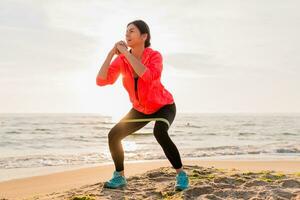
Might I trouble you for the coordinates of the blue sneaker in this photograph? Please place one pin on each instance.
(117, 181)
(182, 181)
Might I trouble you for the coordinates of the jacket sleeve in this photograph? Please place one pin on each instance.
(113, 73)
(153, 68)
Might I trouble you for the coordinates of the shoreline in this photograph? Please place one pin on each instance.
(20, 173)
(45, 184)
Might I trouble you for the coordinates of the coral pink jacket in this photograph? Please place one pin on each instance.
(151, 95)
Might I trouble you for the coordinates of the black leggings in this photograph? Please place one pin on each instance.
(123, 129)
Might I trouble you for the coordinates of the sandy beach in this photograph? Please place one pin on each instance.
(213, 179)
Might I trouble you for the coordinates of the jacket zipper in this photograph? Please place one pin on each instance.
(136, 91)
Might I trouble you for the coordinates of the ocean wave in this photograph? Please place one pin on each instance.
(13, 132)
(42, 129)
(217, 148)
(246, 133)
(51, 160)
(283, 150)
(248, 124)
(287, 133)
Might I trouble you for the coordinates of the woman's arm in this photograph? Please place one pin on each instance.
(104, 68)
(149, 72)
(138, 67)
(109, 71)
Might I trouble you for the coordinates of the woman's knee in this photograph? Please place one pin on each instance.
(160, 130)
(113, 135)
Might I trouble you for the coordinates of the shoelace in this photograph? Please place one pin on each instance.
(182, 179)
(116, 179)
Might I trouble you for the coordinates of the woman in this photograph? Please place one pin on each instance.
(141, 69)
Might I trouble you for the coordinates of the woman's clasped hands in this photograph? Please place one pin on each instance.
(119, 48)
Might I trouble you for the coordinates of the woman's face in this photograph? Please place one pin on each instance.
(134, 37)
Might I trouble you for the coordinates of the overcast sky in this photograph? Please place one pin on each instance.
(219, 56)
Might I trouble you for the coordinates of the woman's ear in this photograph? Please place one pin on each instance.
(145, 36)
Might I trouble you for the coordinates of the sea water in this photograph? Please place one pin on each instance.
(34, 144)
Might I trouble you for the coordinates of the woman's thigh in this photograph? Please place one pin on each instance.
(128, 124)
(167, 112)
(124, 128)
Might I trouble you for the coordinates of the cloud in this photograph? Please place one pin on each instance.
(43, 48)
(196, 63)
(22, 14)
